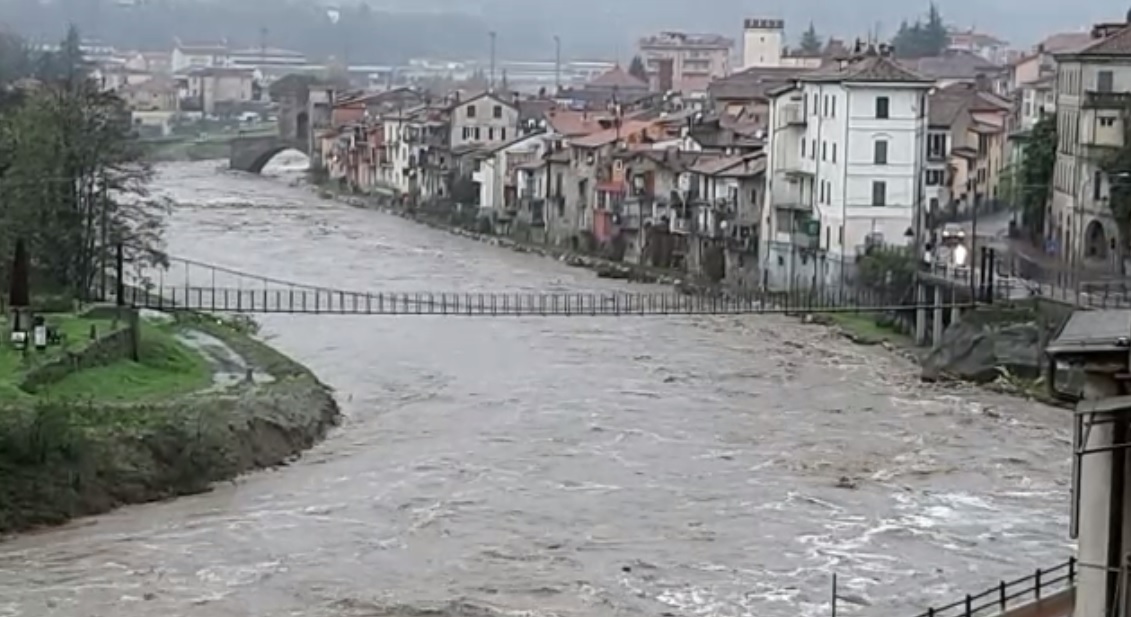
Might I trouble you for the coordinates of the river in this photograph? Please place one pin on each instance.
(561, 466)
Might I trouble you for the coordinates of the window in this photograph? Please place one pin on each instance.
(840, 235)
(498, 111)
(1097, 184)
(936, 145)
(471, 111)
(879, 193)
(815, 105)
(882, 107)
(802, 147)
(934, 177)
(1104, 81)
(1108, 121)
(476, 131)
(467, 132)
(490, 133)
(880, 152)
(834, 106)
(824, 150)
(503, 133)
(828, 236)
(826, 101)
(834, 151)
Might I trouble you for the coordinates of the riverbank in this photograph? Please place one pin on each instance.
(862, 328)
(72, 452)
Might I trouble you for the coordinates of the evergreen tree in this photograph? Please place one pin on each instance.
(637, 70)
(922, 39)
(71, 177)
(810, 42)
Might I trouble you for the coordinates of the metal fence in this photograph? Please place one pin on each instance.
(1011, 594)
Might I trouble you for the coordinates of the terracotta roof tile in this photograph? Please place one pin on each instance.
(617, 77)
(1107, 40)
(871, 67)
(608, 136)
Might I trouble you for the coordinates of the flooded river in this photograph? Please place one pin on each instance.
(566, 466)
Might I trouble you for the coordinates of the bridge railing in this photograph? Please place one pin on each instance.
(1007, 595)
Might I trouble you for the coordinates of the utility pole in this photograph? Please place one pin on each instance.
(557, 65)
(491, 79)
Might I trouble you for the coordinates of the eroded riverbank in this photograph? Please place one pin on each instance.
(575, 466)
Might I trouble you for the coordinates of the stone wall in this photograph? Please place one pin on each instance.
(106, 349)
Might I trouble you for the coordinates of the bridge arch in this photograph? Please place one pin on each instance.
(260, 161)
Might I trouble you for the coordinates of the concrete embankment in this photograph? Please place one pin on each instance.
(66, 459)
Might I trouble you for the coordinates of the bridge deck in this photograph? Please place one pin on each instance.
(315, 301)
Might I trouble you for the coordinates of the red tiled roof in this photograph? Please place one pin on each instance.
(576, 123)
(1108, 40)
(608, 136)
(617, 77)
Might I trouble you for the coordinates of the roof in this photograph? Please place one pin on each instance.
(480, 95)
(608, 136)
(953, 64)
(671, 158)
(753, 83)
(517, 140)
(1064, 42)
(735, 165)
(576, 123)
(1107, 40)
(1106, 330)
(869, 67)
(946, 105)
(616, 77)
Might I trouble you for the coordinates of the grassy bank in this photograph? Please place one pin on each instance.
(131, 432)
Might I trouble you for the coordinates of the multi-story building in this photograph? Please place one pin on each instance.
(1093, 92)
(987, 46)
(189, 57)
(695, 59)
(845, 166)
(264, 57)
(483, 119)
(762, 42)
(208, 87)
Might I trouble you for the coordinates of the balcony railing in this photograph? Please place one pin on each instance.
(1107, 100)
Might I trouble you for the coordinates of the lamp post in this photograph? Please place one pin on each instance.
(557, 65)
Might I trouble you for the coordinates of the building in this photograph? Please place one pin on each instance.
(845, 164)
(987, 46)
(263, 57)
(211, 87)
(189, 57)
(961, 66)
(509, 184)
(1093, 89)
(683, 61)
(485, 119)
(762, 42)
(157, 94)
(967, 149)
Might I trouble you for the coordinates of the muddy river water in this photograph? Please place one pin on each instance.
(564, 466)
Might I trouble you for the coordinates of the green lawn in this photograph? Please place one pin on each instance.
(166, 366)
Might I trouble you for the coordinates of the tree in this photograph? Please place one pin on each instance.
(72, 179)
(923, 38)
(636, 69)
(810, 42)
(1034, 176)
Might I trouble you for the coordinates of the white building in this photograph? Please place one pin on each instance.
(762, 42)
(845, 167)
(508, 177)
(1093, 90)
(189, 57)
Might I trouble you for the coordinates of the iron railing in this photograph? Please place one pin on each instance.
(998, 599)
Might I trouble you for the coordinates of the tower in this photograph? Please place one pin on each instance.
(762, 41)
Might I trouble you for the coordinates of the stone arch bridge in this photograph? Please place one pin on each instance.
(299, 102)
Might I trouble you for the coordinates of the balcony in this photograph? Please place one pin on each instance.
(793, 114)
(1107, 100)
